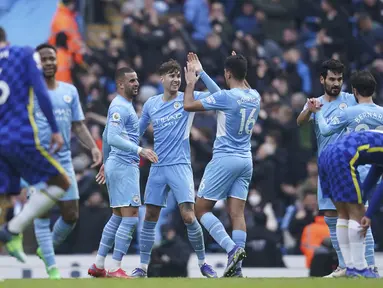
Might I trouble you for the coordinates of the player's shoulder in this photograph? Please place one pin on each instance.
(68, 88)
(348, 97)
(153, 100)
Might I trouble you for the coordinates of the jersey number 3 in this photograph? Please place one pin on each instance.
(248, 124)
(4, 92)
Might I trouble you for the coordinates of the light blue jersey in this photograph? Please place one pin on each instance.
(171, 127)
(237, 112)
(229, 173)
(329, 110)
(361, 117)
(67, 109)
(121, 167)
(122, 129)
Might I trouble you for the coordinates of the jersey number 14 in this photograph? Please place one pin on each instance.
(248, 124)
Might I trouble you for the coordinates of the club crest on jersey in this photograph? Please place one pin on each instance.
(136, 199)
(177, 105)
(343, 106)
(67, 98)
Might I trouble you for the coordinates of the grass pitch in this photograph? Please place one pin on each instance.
(193, 283)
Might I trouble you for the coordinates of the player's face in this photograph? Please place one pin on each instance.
(49, 62)
(131, 84)
(172, 81)
(332, 83)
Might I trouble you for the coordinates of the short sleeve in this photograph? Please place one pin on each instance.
(216, 101)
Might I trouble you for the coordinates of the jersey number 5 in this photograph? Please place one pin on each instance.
(248, 126)
(4, 92)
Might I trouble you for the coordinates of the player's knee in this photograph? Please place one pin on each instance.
(188, 218)
(71, 216)
(152, 213)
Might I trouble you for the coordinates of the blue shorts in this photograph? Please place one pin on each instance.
(123, 183)
(226, 176)
(324, 203)
(32, 163)
(162, 179)
(71, 194)
(339, 177)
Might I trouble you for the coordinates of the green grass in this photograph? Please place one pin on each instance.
(194, 283)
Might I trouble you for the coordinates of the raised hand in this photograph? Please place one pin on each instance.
(194, 61)
(190, 74)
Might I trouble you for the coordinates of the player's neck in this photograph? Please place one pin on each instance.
(51, 83)
(168, 96)
(129, 98)
(365, 100)
(3, 44)
(237, 84)
(329, 98)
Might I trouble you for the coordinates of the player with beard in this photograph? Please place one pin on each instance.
(333, 102)
(69, 117)
(121, 159)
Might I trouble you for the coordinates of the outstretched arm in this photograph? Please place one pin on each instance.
(337, 124)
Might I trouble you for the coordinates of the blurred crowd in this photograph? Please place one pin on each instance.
(285, 42)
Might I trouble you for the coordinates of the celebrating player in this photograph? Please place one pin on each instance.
(21, 154)
(171, 126)
(69, 116)
(364, 116)
(122, 175)
(340, 182)
(333, 101)
(229, 173)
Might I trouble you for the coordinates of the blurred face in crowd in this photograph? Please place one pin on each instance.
(248, 9)
(130, 84)
(217, 11)
(332, 84)
(370, 2)
(172, 81)
(48, 62)
(310, 202)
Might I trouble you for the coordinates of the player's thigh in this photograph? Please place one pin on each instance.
(346, 184)
(122, 181)
(240, 187)
(324, 193)
(217, 179)
(9, 179)
(181, 183)
(36, 165)
(72, 193)
(156, 190)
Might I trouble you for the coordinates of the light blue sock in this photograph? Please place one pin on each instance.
(61, 230)
(195, 235)
(239, 238)
(370, 246)
(108, 235)
(124, 236)
(331, 223)
(147, 238)
(44, 239)
(217, 231)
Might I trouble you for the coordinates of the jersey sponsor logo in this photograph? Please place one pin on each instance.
(67, 98)
(177, 105)
(343, 106)
(335, 120)
(167, 120)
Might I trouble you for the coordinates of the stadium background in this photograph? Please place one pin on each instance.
(285, 42)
